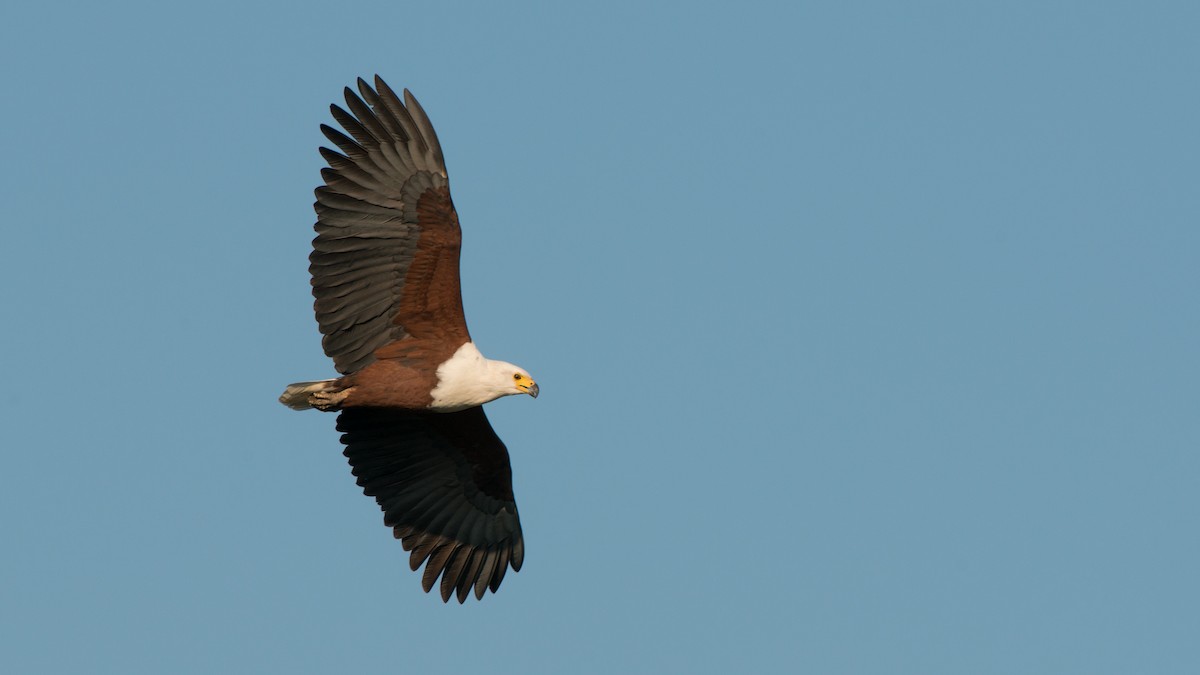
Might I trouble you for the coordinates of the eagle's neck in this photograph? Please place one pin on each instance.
(468, 379)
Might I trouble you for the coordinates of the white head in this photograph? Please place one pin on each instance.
(468, 379)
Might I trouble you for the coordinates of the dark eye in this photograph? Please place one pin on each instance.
(516, 376)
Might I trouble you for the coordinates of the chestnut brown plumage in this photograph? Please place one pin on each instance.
(385, 277)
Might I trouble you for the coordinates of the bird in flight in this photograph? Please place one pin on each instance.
(388, 301)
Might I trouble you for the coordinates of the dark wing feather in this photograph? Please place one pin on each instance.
(445, 486)
(385, 261)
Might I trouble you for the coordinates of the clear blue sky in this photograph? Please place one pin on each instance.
(867, 335)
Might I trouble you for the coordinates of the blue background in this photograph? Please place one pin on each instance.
(867, 335)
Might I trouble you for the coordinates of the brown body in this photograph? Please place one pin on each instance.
(401, 377)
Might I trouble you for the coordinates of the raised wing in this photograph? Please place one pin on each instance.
(385, 260)
(445, 486)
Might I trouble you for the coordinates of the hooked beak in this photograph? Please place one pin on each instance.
(532, 390)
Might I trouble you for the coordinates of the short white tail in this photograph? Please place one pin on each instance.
(296, 395)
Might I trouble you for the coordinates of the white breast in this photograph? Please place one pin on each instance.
(465, 380)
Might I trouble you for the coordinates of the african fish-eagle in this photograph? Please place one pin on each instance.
(385, 277)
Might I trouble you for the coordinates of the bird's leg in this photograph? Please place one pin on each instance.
(328, 401)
